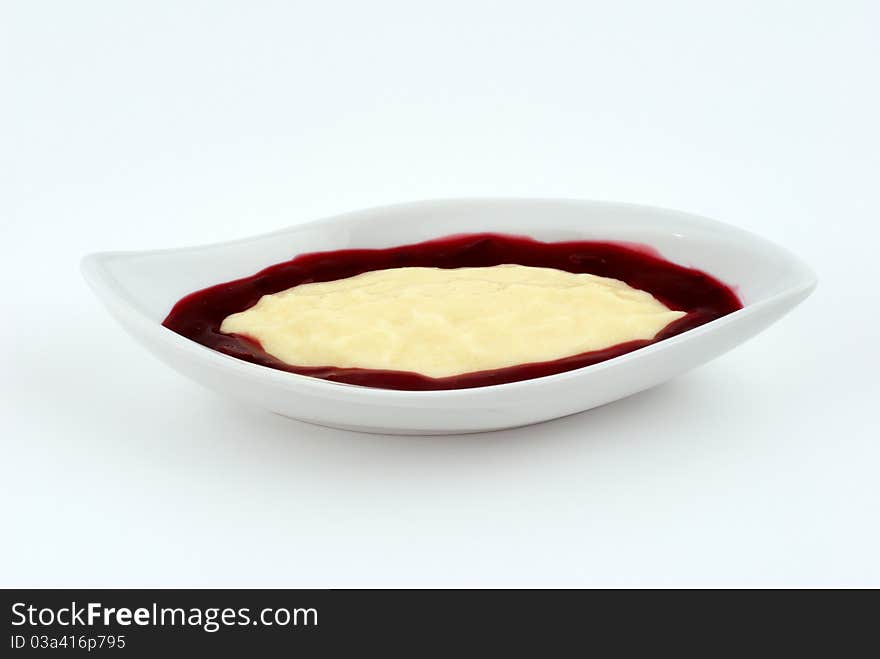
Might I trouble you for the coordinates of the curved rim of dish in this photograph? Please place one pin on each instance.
(91, 268)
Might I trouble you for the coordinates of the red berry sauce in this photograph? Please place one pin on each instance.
(198, 316)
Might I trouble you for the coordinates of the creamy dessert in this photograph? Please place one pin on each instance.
(445, 322)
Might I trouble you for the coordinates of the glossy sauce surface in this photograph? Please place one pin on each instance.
(198, 316)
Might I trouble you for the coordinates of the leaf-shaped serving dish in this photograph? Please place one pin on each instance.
(139, 289)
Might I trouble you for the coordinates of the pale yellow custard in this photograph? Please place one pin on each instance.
(441, 322)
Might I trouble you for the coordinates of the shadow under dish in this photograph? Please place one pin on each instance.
(198, 316)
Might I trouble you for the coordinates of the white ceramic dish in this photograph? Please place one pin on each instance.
(139, 289)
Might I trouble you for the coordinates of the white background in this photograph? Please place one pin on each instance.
(153, 124)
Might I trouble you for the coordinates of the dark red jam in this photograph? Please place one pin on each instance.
(199, 315)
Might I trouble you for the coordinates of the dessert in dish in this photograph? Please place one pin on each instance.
(140, 288)
(457, 312)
